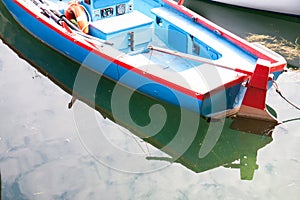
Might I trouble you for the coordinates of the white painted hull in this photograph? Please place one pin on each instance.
(291, 7)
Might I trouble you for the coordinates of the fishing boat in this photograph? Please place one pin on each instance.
(160, 49)
(290, 7)
(233, 149)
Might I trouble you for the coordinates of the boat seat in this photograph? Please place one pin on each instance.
(116, 29)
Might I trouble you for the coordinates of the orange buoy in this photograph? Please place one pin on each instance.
(77, 12)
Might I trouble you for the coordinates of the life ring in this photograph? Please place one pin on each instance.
(77, 12)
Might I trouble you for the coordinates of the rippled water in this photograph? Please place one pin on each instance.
(48, 151)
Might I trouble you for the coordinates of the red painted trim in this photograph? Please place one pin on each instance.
(279, 67)
(257, 88)
(129, 67)
(118, 62)
(180, 2)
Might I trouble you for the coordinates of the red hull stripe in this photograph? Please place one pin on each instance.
(138, 71)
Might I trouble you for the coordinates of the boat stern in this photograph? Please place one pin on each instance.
(253, 116)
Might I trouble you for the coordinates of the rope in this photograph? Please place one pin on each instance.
(288, 101)
(279, 92)
(290, 120)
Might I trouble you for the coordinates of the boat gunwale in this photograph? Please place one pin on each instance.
(276, 64)
(92, 48)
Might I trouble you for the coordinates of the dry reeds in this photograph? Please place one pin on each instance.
(289, 50)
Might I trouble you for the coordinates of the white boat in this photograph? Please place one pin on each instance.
(290, 7)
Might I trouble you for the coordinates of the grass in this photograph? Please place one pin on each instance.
(289, 50)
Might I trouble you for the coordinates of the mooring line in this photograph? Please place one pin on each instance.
(290, 120)
(279, 92)
(288, 101)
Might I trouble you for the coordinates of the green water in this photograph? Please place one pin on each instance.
(48, 151)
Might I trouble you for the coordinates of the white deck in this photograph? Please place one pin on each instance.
(201, 79)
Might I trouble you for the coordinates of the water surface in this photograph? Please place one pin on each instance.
(48, 151)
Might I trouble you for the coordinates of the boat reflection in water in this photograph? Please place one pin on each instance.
(184, 137)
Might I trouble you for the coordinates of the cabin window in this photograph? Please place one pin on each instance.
(87, 2)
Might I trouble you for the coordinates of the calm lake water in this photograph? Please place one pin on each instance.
(48, 151)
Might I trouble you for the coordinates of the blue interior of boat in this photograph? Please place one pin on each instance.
(180, 34)
(108, 19)
(133, 25)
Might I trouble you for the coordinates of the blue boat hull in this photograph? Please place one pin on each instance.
(225, 99)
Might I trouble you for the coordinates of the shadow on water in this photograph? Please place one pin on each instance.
(278, 32)
(213, 143)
